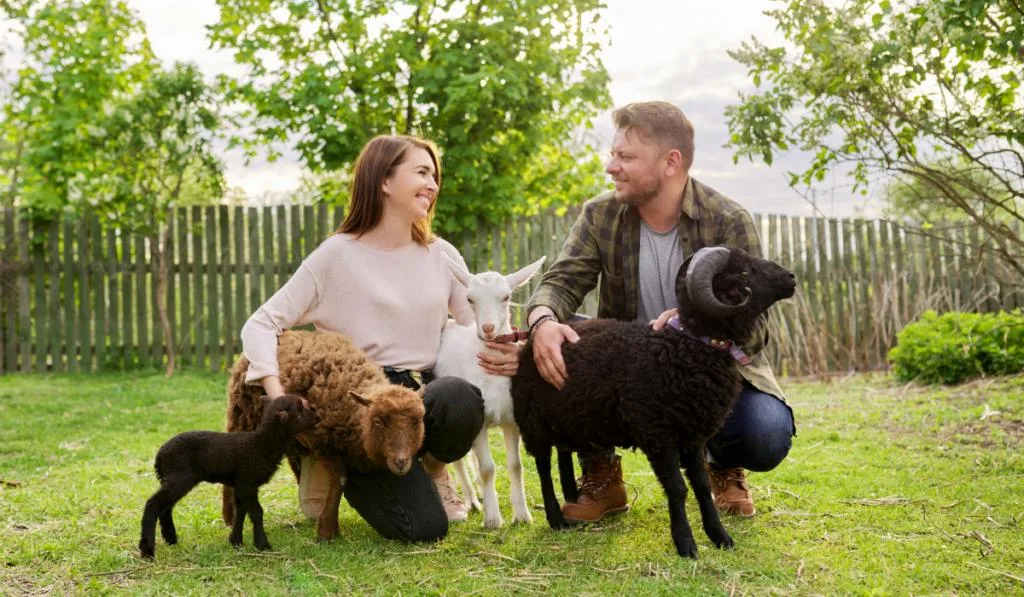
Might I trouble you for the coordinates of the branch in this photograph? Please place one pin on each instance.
(325, 27)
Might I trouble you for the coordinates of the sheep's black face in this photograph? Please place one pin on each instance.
(292, 412)
(717, 283)
(760, 281)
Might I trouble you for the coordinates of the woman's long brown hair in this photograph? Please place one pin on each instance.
(376, 162)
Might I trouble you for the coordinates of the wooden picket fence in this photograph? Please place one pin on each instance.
(77, 297)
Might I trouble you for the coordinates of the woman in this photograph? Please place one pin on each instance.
(381, 281)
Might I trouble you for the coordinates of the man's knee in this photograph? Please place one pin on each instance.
(758, 434)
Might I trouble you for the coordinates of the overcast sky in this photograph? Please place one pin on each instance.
(672, 50)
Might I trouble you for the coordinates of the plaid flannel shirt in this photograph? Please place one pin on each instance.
(605, 242)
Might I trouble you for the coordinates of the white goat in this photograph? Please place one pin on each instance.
(489, 294)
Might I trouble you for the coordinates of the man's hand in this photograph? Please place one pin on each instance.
(547, 351)
(662, 319)
(506, 362)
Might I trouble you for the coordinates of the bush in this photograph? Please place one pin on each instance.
(952, 347)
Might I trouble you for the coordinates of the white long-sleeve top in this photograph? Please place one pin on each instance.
(391, 304)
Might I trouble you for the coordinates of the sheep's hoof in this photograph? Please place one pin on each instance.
(723, 542)
(687, 548)
(558, 523)
(146, 552)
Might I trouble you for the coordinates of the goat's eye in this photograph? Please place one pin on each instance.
(378, 422)
(505, 300)
(471, 301)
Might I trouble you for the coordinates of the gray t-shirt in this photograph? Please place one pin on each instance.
(660, 258)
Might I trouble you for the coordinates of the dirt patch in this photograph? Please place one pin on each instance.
(982, 433)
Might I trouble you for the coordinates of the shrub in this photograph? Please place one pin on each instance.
(952, 347)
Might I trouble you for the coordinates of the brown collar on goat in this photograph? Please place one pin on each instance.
(515, 336)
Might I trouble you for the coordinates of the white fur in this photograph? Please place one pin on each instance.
(489, 294)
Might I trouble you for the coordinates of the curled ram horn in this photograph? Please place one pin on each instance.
(706, 263)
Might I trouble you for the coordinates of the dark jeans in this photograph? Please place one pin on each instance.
(756, 436)
(408, 508)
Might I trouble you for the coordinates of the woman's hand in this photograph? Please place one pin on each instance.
(272, 386)
(504, 362)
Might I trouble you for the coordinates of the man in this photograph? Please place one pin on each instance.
(635, 239)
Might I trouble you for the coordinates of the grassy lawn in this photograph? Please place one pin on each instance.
(889, 489)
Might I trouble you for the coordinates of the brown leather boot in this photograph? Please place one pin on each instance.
(729, 488)
(602, 492)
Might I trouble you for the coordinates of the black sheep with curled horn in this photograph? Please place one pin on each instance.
(666, 392)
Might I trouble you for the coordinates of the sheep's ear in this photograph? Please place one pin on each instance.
(359, 398)
(458, 271)
(517, 279)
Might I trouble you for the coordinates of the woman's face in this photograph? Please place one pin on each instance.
(411, 189)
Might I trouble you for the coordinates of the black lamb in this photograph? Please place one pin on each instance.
(665, 392)
(244, 460)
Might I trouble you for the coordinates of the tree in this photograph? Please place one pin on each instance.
(500, 86)
(157, 153)
(915, 199)
(79, 56)
(927, 91)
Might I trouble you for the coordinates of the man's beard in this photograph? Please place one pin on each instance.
(640, 197)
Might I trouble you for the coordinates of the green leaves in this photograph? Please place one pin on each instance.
(80, 55)
(891, 87)
(953, 347)
(501, 88)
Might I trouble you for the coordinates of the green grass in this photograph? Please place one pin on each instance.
(889, 489)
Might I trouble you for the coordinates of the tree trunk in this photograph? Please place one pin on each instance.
(159, 241)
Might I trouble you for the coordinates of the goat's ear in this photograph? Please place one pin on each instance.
(360, 398)
(282, 416)
(265, 401)
(458, 271)
(517, 279)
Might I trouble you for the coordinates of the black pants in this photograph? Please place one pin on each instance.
(757, 434)
(408, 508)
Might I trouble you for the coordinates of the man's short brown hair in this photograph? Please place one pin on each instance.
(660, 122)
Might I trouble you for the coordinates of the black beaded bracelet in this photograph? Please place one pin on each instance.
(540, 320)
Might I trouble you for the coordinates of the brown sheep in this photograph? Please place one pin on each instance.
(365, 423)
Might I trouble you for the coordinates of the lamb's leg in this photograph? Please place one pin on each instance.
(552, 509)
(160, 506)
(466, 482)
(327, 524)
(167, 530)
(666, 466)
(227, 504)
(514, 462)
(255, 511)
(693, 462)
(482, 451)
(241, 509)
(567, 476)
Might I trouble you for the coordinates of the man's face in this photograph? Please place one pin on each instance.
(637, 167)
